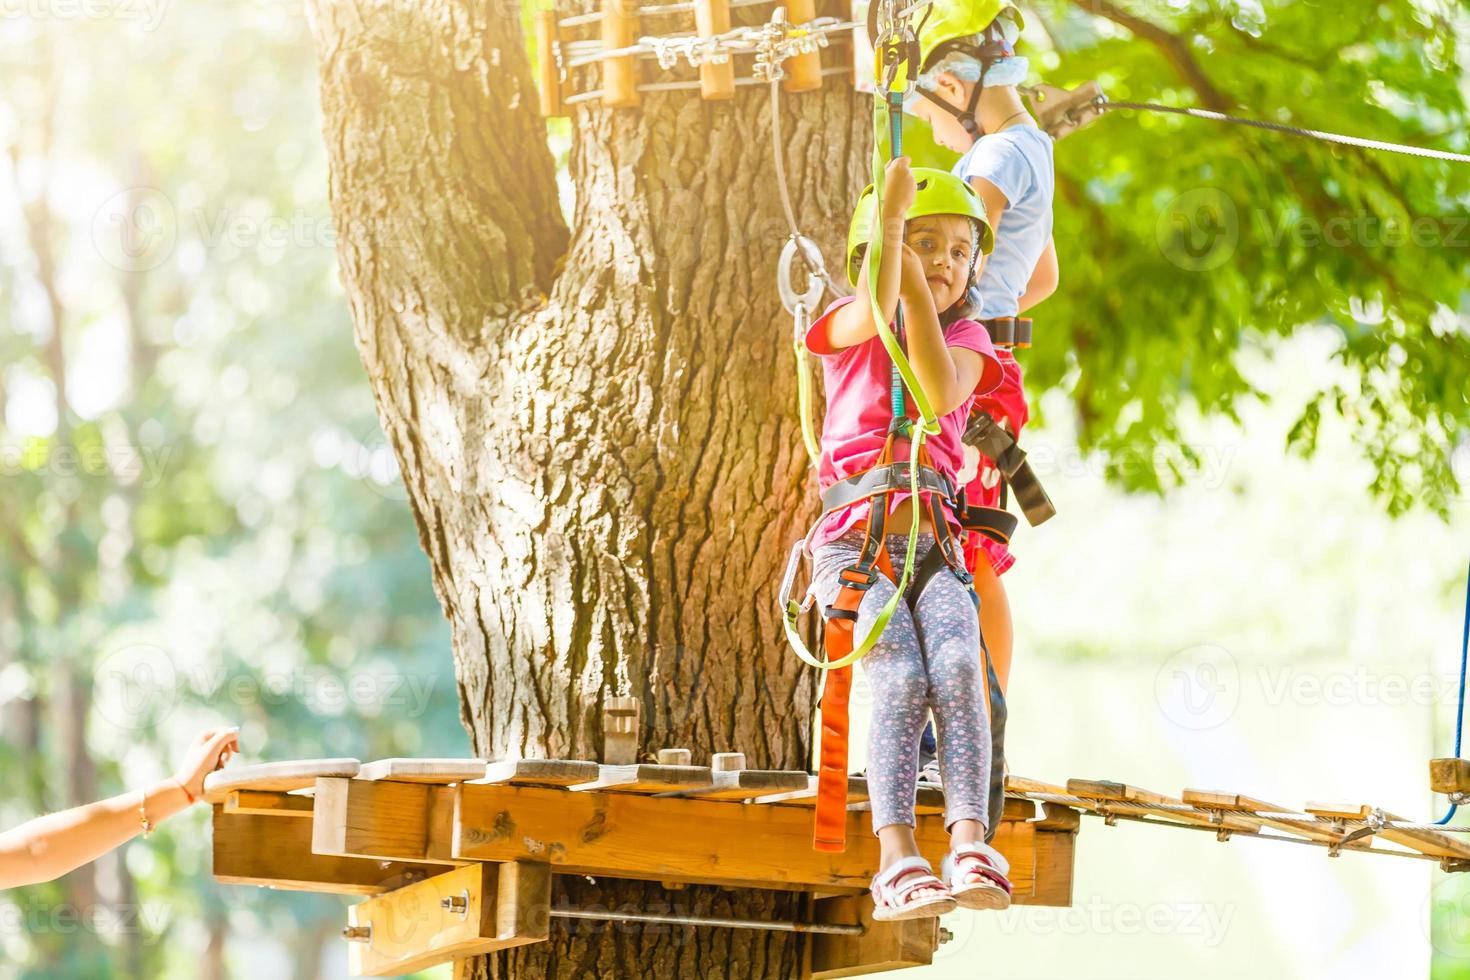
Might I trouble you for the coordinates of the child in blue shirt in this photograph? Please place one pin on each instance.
(967, 92)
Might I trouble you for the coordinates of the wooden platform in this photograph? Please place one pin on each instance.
(482, 842)
(403, 831)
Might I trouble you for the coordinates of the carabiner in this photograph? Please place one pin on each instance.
(812, 255)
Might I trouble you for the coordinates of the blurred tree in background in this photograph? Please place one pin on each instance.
(201, 521)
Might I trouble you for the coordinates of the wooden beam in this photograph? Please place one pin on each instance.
(466, 912)
(251, 849)
(882, 945)
(384, 820)
(697, 841)
(279, 777)
(620, 715)
(1449, 775)
(268, 804)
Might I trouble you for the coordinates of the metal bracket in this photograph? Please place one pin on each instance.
(1061, 111)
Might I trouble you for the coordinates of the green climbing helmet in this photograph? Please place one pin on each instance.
(939, 192)
(958, 22)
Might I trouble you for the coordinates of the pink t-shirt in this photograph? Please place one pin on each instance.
(859, 410)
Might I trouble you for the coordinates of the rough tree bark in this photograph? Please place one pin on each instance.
(595, 425)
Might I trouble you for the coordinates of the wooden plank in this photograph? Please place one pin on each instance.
(1020, 784)
(1426, 841)
(268, 804)
(631, 836)
(619, 73)
(882, 945)
(644, 778)
(251, 849)
(1056, 858)
(384, 820)
(466, 912)
(716, 79)
(548, 39)
(803, 71)
(280, 777)
(1247, 804)
(928, 800)
(1449, 775)
(539, 772)
(438, 771)
(1343, 811)
(744, 784)
(1105, 791)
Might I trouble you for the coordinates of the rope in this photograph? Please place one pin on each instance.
(785, 188)
(1460, 709)
(1366, 144)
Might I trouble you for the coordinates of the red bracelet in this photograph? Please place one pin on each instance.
(180, 785)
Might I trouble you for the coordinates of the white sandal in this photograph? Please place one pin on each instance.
(893, 886)
(993, 891)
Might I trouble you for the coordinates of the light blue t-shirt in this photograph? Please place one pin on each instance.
(1018, 161)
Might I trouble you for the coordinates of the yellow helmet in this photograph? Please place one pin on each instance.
(984, 30)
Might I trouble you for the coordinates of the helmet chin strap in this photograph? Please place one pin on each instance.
(967, 117)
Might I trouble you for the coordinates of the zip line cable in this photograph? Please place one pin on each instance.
(1357, 141)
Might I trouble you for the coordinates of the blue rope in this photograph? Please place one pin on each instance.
(1460, 711)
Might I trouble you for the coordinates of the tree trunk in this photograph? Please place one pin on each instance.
(596, 426)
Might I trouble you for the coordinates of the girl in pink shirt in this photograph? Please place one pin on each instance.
(929, 655)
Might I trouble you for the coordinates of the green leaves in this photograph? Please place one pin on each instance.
(1183, 241)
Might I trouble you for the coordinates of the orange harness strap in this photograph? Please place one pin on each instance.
(829, 831)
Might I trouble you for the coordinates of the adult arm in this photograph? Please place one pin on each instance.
(48, 847)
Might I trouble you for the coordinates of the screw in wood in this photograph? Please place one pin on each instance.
(358, 934)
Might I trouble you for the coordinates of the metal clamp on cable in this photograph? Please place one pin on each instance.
(1061, 111)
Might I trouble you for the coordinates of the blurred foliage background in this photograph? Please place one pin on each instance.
(200, 521)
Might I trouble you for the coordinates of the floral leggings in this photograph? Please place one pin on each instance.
(929, 658)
